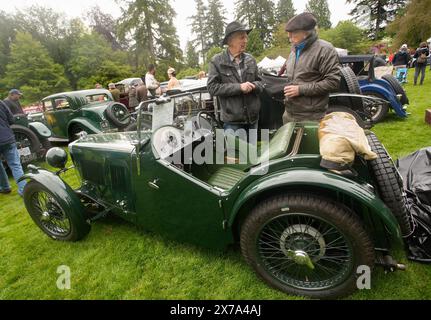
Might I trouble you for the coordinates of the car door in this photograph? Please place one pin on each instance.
(174, 203)
(59, 116)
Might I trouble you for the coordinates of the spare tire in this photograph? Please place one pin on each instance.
(397, 88)
(25, 138)
(389, 183)
(350, 79)
(118, 114)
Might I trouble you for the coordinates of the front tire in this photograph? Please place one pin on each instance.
(285, 237)
(55, 216)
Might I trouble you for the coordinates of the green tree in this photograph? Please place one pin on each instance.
(215, 23)
(348, 36)
(320, 9)
(94, 61)
(105, 25)
(285, 11)
(150, 24)
(199, 28)
(374, 15)
(32, 70)
(258, 14)
(255, 44)
(192, 56)
(413, 26)
(7, 34)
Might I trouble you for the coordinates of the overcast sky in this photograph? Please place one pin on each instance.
(184, 9)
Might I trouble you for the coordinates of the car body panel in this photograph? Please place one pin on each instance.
(78, 111)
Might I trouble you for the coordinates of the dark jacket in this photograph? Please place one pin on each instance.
(317, 74)
(142, 93)
(14, 106)
(224, 82)
(418, 53)
(6, 119)
(402, 58)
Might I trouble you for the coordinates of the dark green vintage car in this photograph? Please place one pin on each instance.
(303, 229)
(91, 111)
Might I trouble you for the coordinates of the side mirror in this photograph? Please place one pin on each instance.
(57, 158)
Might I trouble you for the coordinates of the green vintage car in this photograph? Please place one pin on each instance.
(91, 111)
(303, 229)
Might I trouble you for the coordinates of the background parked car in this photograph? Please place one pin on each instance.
(92, 111)
(362, 79)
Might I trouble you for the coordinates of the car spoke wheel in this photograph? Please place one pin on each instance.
(305, 252)
(60, 217)
(379, 110)
(306, 245)
(51, 216)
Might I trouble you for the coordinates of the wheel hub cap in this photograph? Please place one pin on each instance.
(45, 217)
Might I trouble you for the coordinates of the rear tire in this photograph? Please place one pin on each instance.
(56, 217)
(397, 88)
(283, 235)
(380, 111)
(389, 183)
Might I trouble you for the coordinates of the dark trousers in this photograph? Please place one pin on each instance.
(420, 68)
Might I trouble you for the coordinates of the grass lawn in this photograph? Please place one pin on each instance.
(118, 261)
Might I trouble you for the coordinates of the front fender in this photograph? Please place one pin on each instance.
(40, 130)
(388, 94)
(322, 180)
(86, 124)
(54, 184)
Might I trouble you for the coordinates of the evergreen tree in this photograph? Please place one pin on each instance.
(192, 56)
(258, 14)
(199, 28)
(255, 44)
(285, 11)
(150, 24)
(320, 9)
(413, 26)
(32, 70)
(93, 60)
(376, 14)
(215, 23)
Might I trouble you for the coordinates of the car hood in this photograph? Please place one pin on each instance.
(122, 141)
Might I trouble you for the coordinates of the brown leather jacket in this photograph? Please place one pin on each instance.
(317, 73)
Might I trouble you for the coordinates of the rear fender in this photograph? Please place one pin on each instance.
(323, 181)
(388, 94)
(40, 130)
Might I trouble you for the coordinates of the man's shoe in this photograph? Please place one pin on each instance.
(6, 191)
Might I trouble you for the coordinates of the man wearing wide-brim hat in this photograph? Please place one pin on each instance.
(233, 79)
(313, 71)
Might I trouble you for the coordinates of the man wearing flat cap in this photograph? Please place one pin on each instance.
(313, 71)
(233, 79)
(12, 102)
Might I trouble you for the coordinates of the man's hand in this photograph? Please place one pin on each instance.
(291, 91)
(247, 87)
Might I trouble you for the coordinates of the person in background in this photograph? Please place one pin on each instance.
(422, 53)
(133, 98)
(141, 92)
(114, 91)
(402, 57)
(9, 152)
(150, 80)
(13, 103)
(201, 75)
(313, 69)
(173, 81)
(98, 86)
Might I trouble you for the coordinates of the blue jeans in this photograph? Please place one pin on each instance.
(11, 155)
(250, 129)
